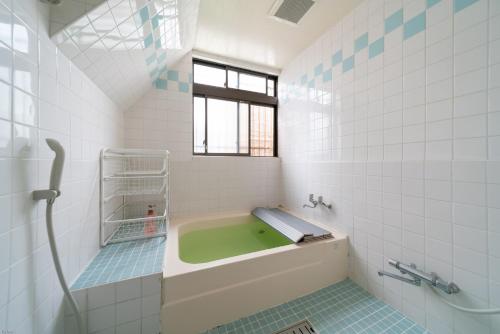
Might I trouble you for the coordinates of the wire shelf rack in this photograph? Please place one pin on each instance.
(134, 194)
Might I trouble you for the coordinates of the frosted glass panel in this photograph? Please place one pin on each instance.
(222, 123)
(208, 75)
(243, 128)
(253, 83)
(199, 125)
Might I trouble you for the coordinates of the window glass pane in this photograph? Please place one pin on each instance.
(222, 123)
(208, 75)
(232, 79)
(243, 128)
(253, 83)
(270, 87)
(262, 131)
(199, 125)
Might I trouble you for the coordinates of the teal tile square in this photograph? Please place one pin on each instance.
(183, 87)
(327, 75)
(337, 58)
(303, 79)
(376, 48)
(144, 14)
(459, 5)
(150, 59)
(361, 42)
(348, 64)
(431, 3)
(148, 41)
(155, 21)
(318, 69)
(158, 44)
(173, 75)
(394, 21)
(311, 84)
(162, 57)
(414, 25)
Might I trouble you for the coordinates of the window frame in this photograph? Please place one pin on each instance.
(238, 96)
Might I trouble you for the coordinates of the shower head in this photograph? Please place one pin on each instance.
(57, 164)
(51, 2)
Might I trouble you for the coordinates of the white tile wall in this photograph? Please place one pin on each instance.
(44, 95)
(406, 147)
(130, 306)
(199, 185)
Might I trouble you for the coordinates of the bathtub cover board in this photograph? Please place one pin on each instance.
(341, 308)
(294, 228)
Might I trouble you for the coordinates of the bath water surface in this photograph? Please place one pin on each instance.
(221, 242)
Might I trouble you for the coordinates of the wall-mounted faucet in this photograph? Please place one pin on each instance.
(416, 277)
(320, 201)
(314, 202)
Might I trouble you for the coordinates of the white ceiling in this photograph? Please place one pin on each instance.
(242, 29)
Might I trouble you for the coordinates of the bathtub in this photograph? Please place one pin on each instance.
(199, 296)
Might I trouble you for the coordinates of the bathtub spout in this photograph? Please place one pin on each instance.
(311, 199)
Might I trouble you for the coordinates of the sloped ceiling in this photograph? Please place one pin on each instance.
(125, 46)
(243, 29)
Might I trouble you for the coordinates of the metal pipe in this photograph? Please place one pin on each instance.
(400, 278)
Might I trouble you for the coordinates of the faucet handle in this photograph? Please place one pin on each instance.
(311, 197)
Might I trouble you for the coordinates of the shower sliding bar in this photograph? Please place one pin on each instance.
(417, 276)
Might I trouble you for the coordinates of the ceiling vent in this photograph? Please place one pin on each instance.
(290, 11)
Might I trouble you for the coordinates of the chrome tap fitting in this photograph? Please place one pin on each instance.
(314, 202)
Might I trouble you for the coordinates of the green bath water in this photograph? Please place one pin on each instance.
(221, 242)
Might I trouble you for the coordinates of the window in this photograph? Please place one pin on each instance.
(234, 111)
(218, 75)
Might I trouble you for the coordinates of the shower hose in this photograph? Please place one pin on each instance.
(57, 265)
(484, 311)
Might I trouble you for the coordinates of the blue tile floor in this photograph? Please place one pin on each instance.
(340, 308)
(121, 261)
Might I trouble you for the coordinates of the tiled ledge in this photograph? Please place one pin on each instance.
(120, 290)
(121, 261)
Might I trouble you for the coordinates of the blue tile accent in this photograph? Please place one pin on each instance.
(394, 21)
(158, 44)
(311, 84)
(121, 261)
(183, 87)
(361, 42)
(318, 70)
(348, 64)
(155, 21)
(173, 75)
(337, 58)
(431, 3)
(327, 75)
(376, 48)
(150, 59)
(190, 78)
(458, 5)
(414, 25)
(162, 57)
(342, 308)
(148, 40)
(303, 79)
(144, 13)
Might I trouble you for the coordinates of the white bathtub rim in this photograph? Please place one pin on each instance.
(174, 266)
